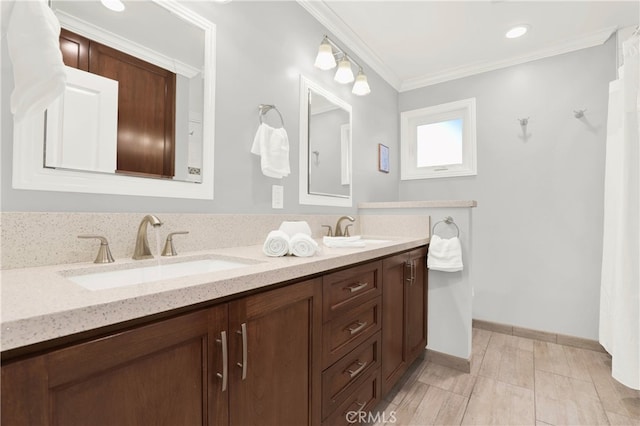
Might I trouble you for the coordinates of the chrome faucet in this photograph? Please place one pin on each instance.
(142, 250)
(339, 232)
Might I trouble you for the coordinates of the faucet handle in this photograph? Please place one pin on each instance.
(169, 248)
(104, 254)
(329, 230)
(346, 229)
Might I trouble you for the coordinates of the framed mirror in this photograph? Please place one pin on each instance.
(182, 49)
(325, 147)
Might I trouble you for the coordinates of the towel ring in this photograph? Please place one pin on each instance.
(264, 109)
(449, 221)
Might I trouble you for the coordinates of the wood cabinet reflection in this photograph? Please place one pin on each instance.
(146, 104)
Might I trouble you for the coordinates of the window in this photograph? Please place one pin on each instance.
(439, 141)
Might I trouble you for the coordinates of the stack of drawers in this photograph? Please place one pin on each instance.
(352, 320)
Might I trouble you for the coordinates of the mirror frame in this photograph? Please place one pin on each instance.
(304, 196)
(28, 147)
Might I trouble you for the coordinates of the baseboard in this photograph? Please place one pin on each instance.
(450, 361)
(544, 336)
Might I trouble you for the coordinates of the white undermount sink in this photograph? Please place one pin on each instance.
(153, 272)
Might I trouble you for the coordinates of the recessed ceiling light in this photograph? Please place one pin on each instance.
(115, 5)
(517, 31)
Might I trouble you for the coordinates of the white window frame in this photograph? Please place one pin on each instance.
(409, 121)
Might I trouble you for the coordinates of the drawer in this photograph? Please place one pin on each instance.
(339, 380)
(363, 400)
(345, 333)
(346, 289)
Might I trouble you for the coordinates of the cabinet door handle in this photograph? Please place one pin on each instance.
(360, 405)
(408, 270)
(354, 373)
(357, 328)
(223, 341)
(413, 272)
(243, 364)
(356, 287)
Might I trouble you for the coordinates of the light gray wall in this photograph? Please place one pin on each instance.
(262, 47)
(537, 231)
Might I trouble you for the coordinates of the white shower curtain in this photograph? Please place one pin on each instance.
(620, 284)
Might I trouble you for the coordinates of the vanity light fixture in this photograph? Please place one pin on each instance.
(328, 52)
(517, 31)
(115, 5)
(361, 86)
(344, 74)
(325, 60)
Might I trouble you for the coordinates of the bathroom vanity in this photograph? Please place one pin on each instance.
(285, 341)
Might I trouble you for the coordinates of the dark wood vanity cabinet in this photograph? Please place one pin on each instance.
(306, 353)
(172, 372)
(404, 307)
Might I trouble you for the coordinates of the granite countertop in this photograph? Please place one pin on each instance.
(40, 304)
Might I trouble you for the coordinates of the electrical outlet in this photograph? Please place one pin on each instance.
(277, 196)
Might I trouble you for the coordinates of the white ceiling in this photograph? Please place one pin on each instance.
(417, 43)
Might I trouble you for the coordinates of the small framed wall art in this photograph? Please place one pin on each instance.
(383, 158)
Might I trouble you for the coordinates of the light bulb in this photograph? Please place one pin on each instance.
(325, 60)
(361, 86)
(344, 74)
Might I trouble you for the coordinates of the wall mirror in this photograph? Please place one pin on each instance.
(325, 147)
(169, 37)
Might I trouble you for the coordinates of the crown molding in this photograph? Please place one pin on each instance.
(593, 39)
(327, 17)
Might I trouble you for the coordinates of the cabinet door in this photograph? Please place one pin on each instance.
(416, 304)
(275, 348)
(394, 354)
(155, 374)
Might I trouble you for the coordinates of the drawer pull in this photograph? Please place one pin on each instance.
(357, 327)
(243, 364)
(223, 342)
(354, 373)
(356, 287)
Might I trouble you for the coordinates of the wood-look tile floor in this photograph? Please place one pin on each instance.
(513, 381)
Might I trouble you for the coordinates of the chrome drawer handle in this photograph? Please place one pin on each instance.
(357, 328)
(354, 373)
(360, 405)
(223, 341)
(243, 364)
(356, 287)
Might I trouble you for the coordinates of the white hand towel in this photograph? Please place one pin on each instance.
(445, 254)
(38, 70)
(344, 242)
(292, 228)
(302, 245)
(276, 244)
(272, 145)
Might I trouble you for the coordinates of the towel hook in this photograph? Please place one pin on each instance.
(579, 113)
(264, 109)
(447, 220)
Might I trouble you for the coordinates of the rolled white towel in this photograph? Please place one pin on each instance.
(276, 244)
(302, 245)
(295, 226)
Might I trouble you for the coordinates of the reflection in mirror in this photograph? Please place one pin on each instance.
(163, 35)
(329, 135)
(134, 101)
(325, 147)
